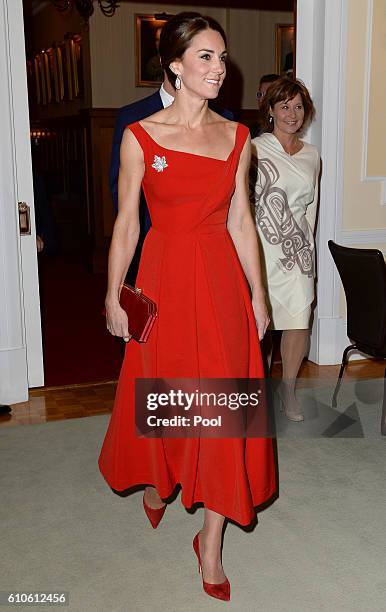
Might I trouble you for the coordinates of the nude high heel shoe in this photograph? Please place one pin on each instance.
(296, 414)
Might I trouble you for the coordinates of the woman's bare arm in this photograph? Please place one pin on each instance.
(126, 230)
(243, 232)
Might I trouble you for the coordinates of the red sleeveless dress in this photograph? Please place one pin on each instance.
(205, 328)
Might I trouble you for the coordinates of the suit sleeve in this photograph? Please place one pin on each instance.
(120, 125)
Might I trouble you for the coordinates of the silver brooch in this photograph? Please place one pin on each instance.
(159, 163)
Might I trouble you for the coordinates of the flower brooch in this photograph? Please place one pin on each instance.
(159, 163)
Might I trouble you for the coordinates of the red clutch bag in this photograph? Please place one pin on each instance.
(141, 312)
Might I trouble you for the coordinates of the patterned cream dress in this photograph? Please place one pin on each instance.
(284, 195)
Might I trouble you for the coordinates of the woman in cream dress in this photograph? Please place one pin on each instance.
(285, 197)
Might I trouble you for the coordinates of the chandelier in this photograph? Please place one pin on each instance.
(86, 7)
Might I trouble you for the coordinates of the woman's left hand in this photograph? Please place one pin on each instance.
(261, 314)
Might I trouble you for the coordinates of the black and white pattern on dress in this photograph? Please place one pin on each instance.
(276, 222)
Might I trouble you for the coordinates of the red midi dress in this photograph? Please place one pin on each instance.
(205, 328)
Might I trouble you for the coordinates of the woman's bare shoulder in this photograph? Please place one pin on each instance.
(156, 118)
(226, 126)
(219, 119)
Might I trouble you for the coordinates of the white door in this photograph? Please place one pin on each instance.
(21, 363)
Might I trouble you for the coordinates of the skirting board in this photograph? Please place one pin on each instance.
(328, 341)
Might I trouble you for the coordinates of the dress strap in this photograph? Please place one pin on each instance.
(242, 134)
(140, 135)
(137, 131)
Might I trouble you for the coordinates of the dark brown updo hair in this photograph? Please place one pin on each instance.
(282, 90)
(177, 35)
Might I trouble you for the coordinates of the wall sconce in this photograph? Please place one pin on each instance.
(86, 7)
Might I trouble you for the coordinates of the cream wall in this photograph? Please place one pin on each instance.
(252, 46)
(363, 215)
(364, 212)
(267, 43)
(376, 158)
(251, 36)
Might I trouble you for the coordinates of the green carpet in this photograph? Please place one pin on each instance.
(320, 546)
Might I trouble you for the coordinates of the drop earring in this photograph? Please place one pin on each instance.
(177, 82)
(270, 119)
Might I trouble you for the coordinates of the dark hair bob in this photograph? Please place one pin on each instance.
(177, 35)
(281, 90)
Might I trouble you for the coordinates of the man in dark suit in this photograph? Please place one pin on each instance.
(130, 114)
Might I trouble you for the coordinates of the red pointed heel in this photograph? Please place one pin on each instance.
(219, 591)
(153, 514)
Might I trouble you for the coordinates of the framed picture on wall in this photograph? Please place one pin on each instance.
(59, 63)
(77, 65)
(36, 71)
(47, 74)
(42, 78)
(68, 72)
(148, 71)
(285, 49)
(54, 73)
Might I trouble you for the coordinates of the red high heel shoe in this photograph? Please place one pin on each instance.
(219, 591)
(153, 514)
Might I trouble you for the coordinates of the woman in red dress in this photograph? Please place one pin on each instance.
(200, 264)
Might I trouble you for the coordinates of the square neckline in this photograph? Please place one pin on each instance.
(188, 152)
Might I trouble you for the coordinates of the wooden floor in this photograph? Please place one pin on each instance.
(58, 403)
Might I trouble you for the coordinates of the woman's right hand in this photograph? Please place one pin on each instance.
(116, 320)
(261, 314)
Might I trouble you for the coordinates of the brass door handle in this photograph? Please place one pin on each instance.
(24, 218)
